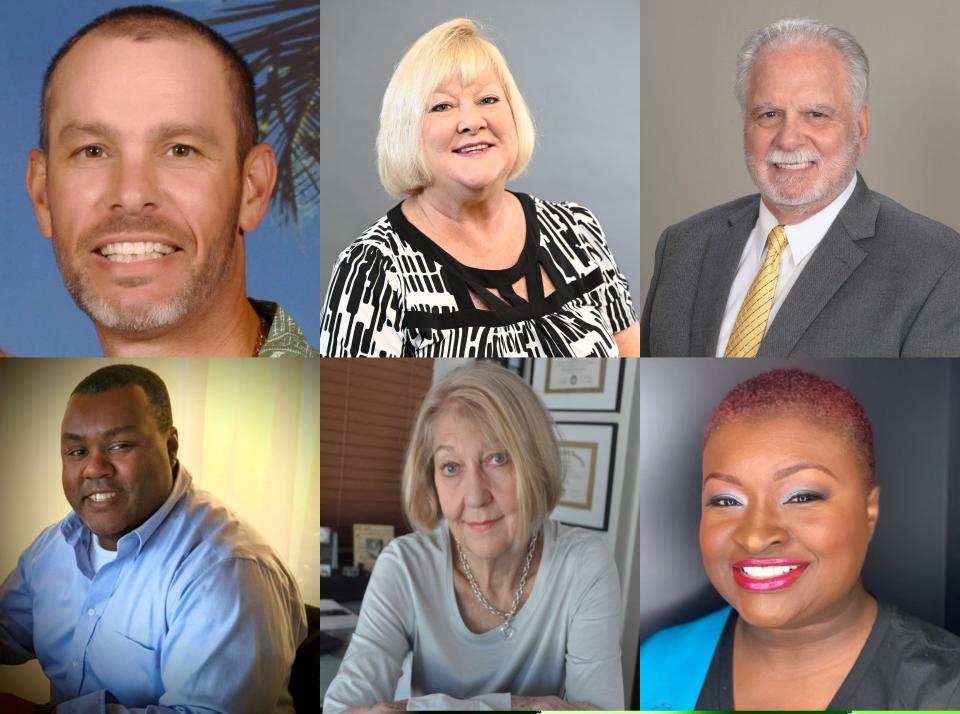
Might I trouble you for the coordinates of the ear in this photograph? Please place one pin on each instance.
(259, 178)
(173, 444)
(873, 508)
(37, 190)
(863, 124)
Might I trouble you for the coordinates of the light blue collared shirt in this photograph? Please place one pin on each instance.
(196, 614)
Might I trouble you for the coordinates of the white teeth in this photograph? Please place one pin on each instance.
(794, 167)
(132, 251)
(100, 497)
(767, 571)
(472, 149)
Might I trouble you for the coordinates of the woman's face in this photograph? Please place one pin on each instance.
(476, 485)
(469, 137)
(785, 519)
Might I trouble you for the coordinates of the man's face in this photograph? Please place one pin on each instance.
(802, 138)
(142, 189)
(117, 463)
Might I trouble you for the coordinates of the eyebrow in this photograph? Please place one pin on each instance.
(160, 133)
(777, 475)
(108, 434)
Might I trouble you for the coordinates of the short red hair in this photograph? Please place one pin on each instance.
(794, 392)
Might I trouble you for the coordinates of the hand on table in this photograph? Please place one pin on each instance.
(552, 703)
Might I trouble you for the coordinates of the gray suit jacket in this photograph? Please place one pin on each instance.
(884, 282)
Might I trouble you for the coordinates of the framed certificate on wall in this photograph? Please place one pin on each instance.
(586, 468)
(578, 385)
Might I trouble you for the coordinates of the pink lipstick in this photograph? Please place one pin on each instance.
(768, 575)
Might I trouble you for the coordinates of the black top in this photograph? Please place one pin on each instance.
(905, 663)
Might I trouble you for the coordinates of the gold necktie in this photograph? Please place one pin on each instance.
(752, 319)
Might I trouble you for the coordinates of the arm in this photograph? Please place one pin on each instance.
(363, 310)
(16, 617)
(594, 673)
(936, 330)
(231, 641)
(628, 341)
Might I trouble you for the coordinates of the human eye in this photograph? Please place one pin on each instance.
(723, 500)
(182, 151)
(441, 107)
(90, 152)
(802, 497)
(449, 468)
(492, 99)
(120, 446)
(768, 117)
(76, 452)
(498, 458)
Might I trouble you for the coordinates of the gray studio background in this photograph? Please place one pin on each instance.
(914, 406)
(690, 126)
(578, 69)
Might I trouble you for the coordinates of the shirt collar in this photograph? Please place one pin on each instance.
(802, 237)
(76, 533)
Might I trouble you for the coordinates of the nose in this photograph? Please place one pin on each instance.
(136, 188)
(760, 529)
(471, 119)
(96, 465)
(791, 135)
(475, 493)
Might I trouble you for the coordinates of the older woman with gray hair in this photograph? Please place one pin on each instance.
(497, 606)
(463, 267)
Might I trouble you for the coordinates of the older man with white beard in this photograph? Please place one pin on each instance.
(817, 264)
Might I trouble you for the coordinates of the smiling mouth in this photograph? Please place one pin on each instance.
(764, 572)
(135, 251)
(102, 496)
(473, 149)
(483, 525)
(798, 166)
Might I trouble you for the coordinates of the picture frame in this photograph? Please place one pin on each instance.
(368, 542)
(587, 457)
(578, 385)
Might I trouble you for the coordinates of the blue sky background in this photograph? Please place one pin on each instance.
(38, 316)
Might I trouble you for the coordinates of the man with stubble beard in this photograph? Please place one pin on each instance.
(149, 178)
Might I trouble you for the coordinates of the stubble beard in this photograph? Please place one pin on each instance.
(199, 285)
(780, 193)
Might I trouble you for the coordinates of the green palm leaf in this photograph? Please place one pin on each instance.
(280, 39)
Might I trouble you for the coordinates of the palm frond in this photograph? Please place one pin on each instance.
(280, 40)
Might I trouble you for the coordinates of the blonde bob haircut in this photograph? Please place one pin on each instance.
(506, 412)
(453, 49)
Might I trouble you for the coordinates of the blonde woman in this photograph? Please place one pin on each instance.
(497, 606)
(462, 267)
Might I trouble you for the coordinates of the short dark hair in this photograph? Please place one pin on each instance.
(795, 392)
(142, 23)
(116, 376)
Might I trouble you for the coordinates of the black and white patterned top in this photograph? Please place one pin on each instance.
(395, 293)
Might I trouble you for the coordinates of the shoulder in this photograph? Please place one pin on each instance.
(897, 221)
(578, 547)
(378, 242)
(209, 533)
(920, 636)
(415, 554)
(717, 218)
(50, 543)
(679, 639)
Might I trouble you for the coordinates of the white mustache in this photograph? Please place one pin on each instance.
(800, 156)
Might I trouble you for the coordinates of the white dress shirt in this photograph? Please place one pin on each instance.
(802, 239)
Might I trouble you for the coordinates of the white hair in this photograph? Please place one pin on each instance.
(802, 31)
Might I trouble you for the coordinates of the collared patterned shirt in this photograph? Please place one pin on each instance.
(196, 613)
(285, 338)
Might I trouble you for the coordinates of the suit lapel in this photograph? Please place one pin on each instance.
(720, 261)
(833, 261)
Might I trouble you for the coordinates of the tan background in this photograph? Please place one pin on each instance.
(690, 125)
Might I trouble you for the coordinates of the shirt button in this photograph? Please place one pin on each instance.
(76, 663)
(91, 612)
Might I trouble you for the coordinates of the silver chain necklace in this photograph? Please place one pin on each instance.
(506, 628)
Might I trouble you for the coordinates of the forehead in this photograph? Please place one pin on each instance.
(460, 80)
(798, 72)
(122, 406)
(460, 426)
(131, 85)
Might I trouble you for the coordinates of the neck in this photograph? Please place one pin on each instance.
(478, 207)
(498, 578)
(791, 215)
(847, 623)
(225, 326)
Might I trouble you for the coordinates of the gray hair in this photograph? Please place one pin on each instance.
(801, 31)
